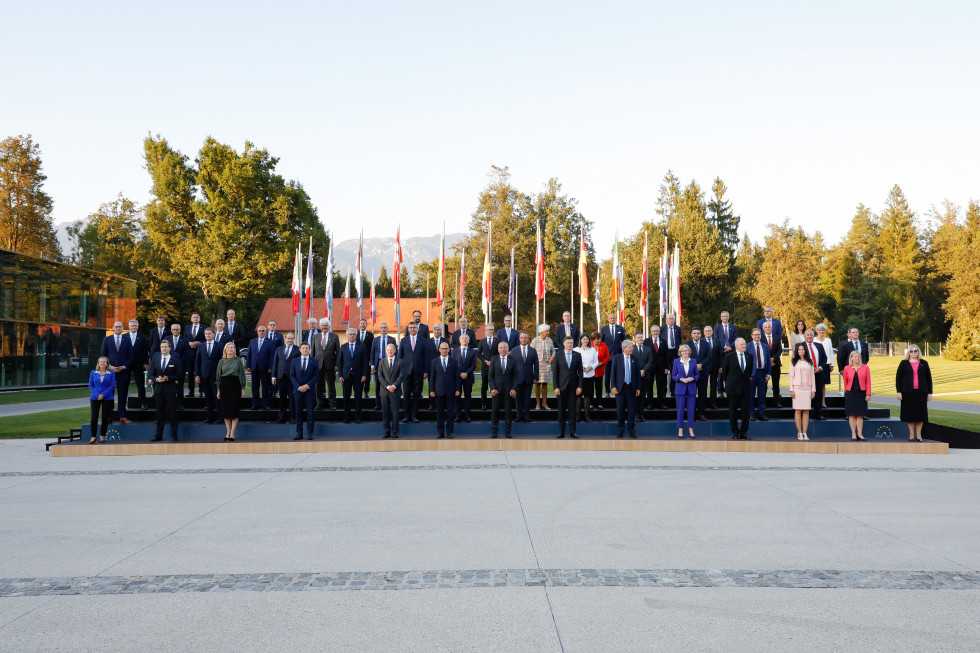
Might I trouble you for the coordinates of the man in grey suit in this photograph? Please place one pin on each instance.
(326, 349)
(285, 354)
(390, 386)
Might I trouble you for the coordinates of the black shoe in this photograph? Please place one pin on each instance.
(309, 437)
(377, 405)
(415, 420)
(347, 420)
(560, 436)
(298, 437)
(700, 418)
(619, 435)
(467, 420)
(450, 436)
(633, 435)
(753, 418)
(357, 420)
(763, 418)
(157, 440)
(442, 435)
(144, 407)
(820, 418)
(511, 436)
(174, 439)
(573, 436)
(736, 436)
(641, 419)
(745, 437)
(281, 420)
(713, 406)
(394, 437)
(387, 436)
(493, 436)
(406, 421)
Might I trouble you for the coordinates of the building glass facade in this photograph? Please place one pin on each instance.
(53, 318)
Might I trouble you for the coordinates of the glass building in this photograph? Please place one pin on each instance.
(53, 318)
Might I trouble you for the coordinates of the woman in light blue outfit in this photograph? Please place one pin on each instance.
(101, 386)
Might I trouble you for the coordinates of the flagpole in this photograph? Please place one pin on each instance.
(571, 294)
(456, 284)
(426, 297)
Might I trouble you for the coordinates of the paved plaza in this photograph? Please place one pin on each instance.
(486, 551)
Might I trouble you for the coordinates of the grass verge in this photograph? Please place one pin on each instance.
(965, 421)
(31, 396)
(43, 425)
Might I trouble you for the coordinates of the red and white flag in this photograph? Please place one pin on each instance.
(296, 266)
(347, 298)
(539, 268)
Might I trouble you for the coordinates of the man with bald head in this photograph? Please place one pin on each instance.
(736, 369)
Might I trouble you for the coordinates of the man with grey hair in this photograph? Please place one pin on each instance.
(379, 349)
(326, 348)
(352, 369)
(625, 385)
(659, 369)
(821, 372)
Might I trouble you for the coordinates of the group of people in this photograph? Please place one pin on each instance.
(639, 372)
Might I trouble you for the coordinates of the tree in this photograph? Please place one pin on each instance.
(901, 269)
(383, 286)
(933, 288)
(963, 304)
(231, 224)
(25, 209)
(789, 274)
(720, 215)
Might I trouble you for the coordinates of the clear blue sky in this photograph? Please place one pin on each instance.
(393, 112)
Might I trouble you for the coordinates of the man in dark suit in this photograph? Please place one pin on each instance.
(713, 365)
(670, 335)
(141, 361)
(503, 378)
(421, 330)
(466, 366)
(568, 385)
(180, 348)
(205, 365)
(194, 334)
(221, 337)
(460, 330)
(644, 358)
(761, 373)
(658, 380)
(303, 375)
(326, 348)
(625, 383)
(413, 352)
(527, 357)
(157, 335)
(119, 350)
(775, 353)
(821, 373)
(509, 334)
(853, 343)
(379, 349)
(566, 328)
(701, 354)
(311, 332)
(352, 370)
(436, 340)
(166, 371)
(366, 338)
(261, 354)
(737, 369)
(775, 325)
(285, 354)
(277, 341)
(727, 333)
(488, 349)
(612, 336)
(390, 382)
(236, 331)
(443, 390)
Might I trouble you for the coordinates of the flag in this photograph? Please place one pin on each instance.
(296, 265)
(664, 276)
(461, 293)
(644, 289)
(583, 273)
(441, 282)
(308, 290)
(347, 298)
(359, 271)
(487, 279)
(598, 299)
(614, 288)
(675, 285)
(374, 306)
(512, 285)
(396, 282)
(328, 293)
(539, 268)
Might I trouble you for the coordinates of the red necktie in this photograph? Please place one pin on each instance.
(758, 355)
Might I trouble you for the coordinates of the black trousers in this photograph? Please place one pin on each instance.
(524, 400)
(817, 402)
(713, 377)
(325, 384)
(412, 384)
(261, 383)
(104, 405)
(671, 357)
(445, 413)
(287, 408)
(122, 392)
(484, 386)
(389, 411)
(646, 386)
(502, 403)
(626, 409)
(189, 365)
(138, 375)
(167, 412)
(353, 384)
(566, 411)
(465, 401)
(776, 373)
(739, 405)
(305, 401)
(702, 402)
(660, 380)
(210, 400)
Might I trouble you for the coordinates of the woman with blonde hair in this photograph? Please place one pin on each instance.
(230, 379)
(857, 393)
(913, 383)
(101, 385)
(685, 376)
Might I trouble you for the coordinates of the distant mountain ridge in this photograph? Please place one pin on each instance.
(381, 251)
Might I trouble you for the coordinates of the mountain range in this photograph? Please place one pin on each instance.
(381, 251)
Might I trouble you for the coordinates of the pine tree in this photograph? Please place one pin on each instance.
(25, 209)
(901, 268)
(963, 304)
(720, 215)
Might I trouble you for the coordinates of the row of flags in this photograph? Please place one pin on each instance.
(669, 280)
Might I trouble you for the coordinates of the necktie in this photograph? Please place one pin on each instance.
(260, 344)
(503, 363)
(165, 363)
(195, 331)
(288, 349)
(741, 361)
(362, 336)
(769, 340)
(709, 343)
(209, 350)
(568, 360)
(670, 338)
(697, 347)
(857, 346)
(304, 363)
(758, 356)
(813, 355)
(464, 354)
(443, 364)
(352, 349)
(118, 342)
(639, 348)
(323, 340)
(413, 343)
(626, 360)
(391, 362)
(176, 338)
(132, 339)
(524, 352)
(726, 331)
(656, 346)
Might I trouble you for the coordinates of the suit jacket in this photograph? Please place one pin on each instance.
(423, 331)
(863, 374)
(844, 353)
(433, 347)
(141, 349)
(766, 364)
(904, 377)
(562, 332)
(276, 338)
(677, 336)
(326, 356)
(204, 365)
(237, 333)
(122, 356)
(776, 351)
(105, 387)
(658, 354)
(260, 361)
(701, 354)
(612, 336)
(529, 368)
(737, 381)
(677, 373)
(617, 369)
(714, 354)
(444, 384)
(513, 340)
(368, 341)
(566, 378)
(182, 349)
(390, 375)
(173, 372)
(801, 377)
(282, 361)
(732, 335)
(454, 341)
(353, 365)
(821, 361)
(221, 338)
(308, 339)
(378, 345)
(644, 358)
(300, 378)
(503, 381)
(414, 362)
(154, 338)
(777, 328)
(488, 350)
(467, 366)
(188, 333)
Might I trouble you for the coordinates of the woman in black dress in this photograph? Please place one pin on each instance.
(230, 378)
(913, 383)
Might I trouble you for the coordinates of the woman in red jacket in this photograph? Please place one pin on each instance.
(857, 393)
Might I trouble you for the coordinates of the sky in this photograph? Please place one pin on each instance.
(393, 112)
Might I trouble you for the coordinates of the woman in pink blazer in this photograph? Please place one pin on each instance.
(857, 393)
(802, 388)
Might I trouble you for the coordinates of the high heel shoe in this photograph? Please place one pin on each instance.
(680, 433)
(799, 436)
(92, 441)
(806, 438)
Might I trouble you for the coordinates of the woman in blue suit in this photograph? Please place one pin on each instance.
(685, 376)
(101, 385)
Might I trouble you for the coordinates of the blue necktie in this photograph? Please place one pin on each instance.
(626, 360)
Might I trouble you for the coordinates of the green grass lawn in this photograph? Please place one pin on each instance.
(31, 396)
(43, 425)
